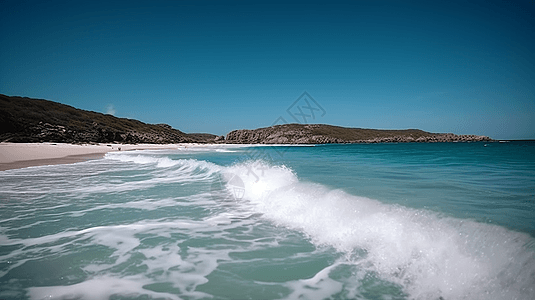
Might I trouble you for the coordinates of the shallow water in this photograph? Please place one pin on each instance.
(385, 221)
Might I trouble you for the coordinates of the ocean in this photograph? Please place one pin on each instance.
(367, 221)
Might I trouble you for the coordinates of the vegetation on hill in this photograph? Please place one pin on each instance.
(326, 134)
(34, 120)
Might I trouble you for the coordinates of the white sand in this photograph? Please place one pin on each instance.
(20, 155)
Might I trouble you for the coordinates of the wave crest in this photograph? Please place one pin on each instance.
(430, 255)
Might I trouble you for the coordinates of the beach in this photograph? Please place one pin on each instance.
(198, 221)
(22, 155)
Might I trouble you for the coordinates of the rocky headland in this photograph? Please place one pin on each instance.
(328, 134)
(25, 120)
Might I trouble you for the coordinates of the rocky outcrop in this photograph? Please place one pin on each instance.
(33, 120)
(327, 134)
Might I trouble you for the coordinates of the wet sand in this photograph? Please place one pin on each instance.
(22, 155)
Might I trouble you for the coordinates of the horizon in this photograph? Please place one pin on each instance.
(211, 67)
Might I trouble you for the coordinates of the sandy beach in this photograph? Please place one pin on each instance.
(22, 155)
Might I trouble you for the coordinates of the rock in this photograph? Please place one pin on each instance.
(165, 126)
(327, 134)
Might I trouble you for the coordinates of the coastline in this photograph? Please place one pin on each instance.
(23, 155)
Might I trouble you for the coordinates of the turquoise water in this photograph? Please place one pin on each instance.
(380, 221)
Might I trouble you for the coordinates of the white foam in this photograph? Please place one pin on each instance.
(428, 255)
(145, 204)
(321, 286)
(161, 162)
(165, 263)
(163, 170)
(99, 177)
(99, 288)
(187, 165)
(225, 150)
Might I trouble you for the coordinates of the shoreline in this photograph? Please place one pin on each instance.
(70, 159)
(23, 155)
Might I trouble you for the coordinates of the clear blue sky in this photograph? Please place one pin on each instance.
(203, 66)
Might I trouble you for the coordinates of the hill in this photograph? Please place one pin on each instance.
(327, 134)
(35, 120)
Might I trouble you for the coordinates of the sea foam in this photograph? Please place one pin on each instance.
(429, 255)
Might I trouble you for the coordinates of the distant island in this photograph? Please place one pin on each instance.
(26, 120)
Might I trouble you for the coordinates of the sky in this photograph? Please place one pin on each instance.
(465, 67)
